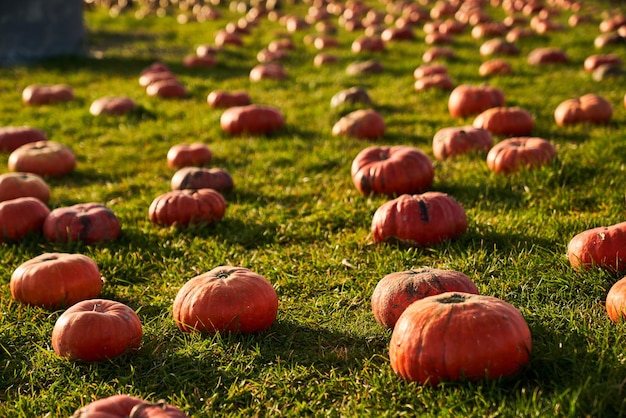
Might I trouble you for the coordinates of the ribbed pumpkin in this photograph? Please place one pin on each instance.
(45, 158)
(126, 406)
(21, 216)
(184, 207)
(202, 178)
(226, 299)
(604, 247)
(452, 141)
(511, 121)
(85, 222)
(419, 220)
(513, 154)
(392, 170)
(454, 336)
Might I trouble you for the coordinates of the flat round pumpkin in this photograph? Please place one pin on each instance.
(45, 158)
(184, 207)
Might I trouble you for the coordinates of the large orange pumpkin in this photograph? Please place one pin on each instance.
(96, 330)
(396, 291)
(604, 247)
(14, 185)
(251, 119)
(42, 94)
(56, 279)
(226, 299)
(360, 124)
(512, 121)
(392, 170)
(513, 154)
(193, 154)
(202, 178)
(420, 220)
(13, 137)
(454, 336)
(184, 207)
(616, 301)
(587, 108)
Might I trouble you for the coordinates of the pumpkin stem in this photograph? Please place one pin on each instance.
(137, 409)
(454, 298)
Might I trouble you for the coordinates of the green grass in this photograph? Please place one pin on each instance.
(295, 217)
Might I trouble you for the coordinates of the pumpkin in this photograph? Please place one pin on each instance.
(267, 56)
(367, 44)
(391, 170)
(352, 96)
(126, 406)
(440, 81)
(512, 121)
(202, 178)
(616, 301)
(466, 100)
(252, 119)
(498, 46)
(396, 291)
(171, 88)
(515, 34)
(14, 185)
(183, 155)
(21, 216)
(153, 76)
(13, 137)
(419, 220)
(184, 207)
(395, 33)
(360, 124)
(195, 61)
(592, 62)
(226, 299)
(226, 99)
(452, 141)
(322, 59)
(268, 71)
(587, 108)
(85, 222)
(56, 279)
(603, 246)
(512, 154)
(36, 94)
(429, 69)
(112, 105)
(454, 336)
(45, 158)
(547, 55)
(495, 66)
(96, 330)
(437, 53)
(488, 30)
(223, 38)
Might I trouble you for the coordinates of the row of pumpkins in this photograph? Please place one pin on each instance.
(414, 304)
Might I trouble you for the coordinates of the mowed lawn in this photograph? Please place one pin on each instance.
(295, 217)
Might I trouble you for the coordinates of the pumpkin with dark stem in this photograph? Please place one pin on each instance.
(55, 280)
(126, 406)
(96, 330)
(604, 247)
(85, 222)
(20, 217)
(419, 220)
(392, 170)
(226, 299)
(396, 291)
(455, 336)
(184, 207)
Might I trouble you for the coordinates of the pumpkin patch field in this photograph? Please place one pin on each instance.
(197, 214)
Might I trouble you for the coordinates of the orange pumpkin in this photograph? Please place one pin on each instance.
(112, 105)
(466, 100)
(184, 207)
(13, 137)
(55, 280)
(252, 119)
(14, 185)
(616, 301)
(183, 155)
(226, 99)
(96, 330)
(226, 299)
(123, 406)
(85, 222)
(454, 336)
(21, 216)
(396, 291)
(268, 71)
(392, 170)
(512, 154)
(38, 94)
(45, 158)
(589, 108)
(604, 247)
(419, 220)
(510, 121)
(360, 124)
(202, 178)
(452, 141)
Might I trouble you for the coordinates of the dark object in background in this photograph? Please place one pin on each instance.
(31, 30)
